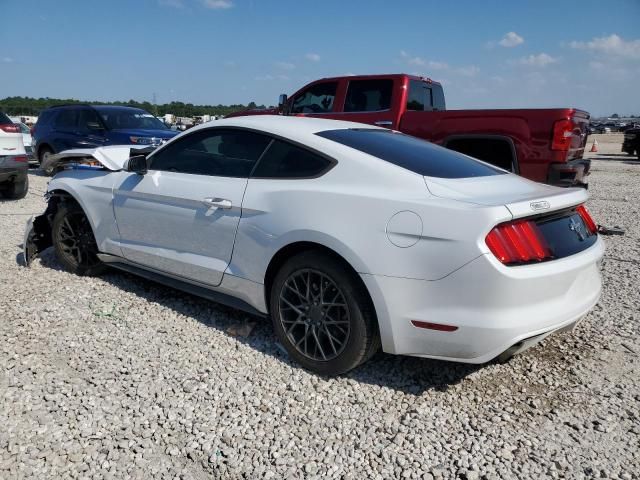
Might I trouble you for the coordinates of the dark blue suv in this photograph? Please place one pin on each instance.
(89, 126)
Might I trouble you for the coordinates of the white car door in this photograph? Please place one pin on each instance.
(181, 217)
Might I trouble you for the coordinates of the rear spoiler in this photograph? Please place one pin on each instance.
(111, 158)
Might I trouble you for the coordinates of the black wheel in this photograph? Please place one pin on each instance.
(74, 242)
(44, 154)
(17, 189)
(322, 314)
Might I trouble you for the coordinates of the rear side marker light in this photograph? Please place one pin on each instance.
(587, 219)
(518, 242)
(434, 326)
(21, 158)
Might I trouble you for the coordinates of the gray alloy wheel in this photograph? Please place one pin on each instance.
(314, 315)
(74, 242)
(322, 313)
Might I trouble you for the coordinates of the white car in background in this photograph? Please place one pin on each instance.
(27, 141)
(14, 181)
(348, 236)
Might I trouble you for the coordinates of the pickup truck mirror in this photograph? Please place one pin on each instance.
(137, 164)
(282, 103)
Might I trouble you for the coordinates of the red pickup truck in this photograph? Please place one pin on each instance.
(545, 145)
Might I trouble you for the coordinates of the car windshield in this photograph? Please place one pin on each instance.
(128, 118)
(412, 153)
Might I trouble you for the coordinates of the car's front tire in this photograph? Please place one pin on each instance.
(322, 314)
(17, 189)
(73, 241)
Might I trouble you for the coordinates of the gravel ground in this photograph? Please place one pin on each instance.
(117, 377)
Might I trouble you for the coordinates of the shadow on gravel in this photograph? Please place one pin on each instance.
(407, 374)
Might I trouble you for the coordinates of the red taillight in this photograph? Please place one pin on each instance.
(518, 242)
(21, 158)
(562, 134)
(587, 219)
(10, 128)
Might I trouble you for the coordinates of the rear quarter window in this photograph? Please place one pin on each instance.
(412, 153)
(284, 160)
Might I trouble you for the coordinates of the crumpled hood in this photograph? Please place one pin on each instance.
(111, 157)
(521, 196)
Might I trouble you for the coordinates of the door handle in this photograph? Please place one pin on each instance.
(217, 203)
(383, 123)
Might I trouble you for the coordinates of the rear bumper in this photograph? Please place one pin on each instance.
(570, 174)
(493, 307)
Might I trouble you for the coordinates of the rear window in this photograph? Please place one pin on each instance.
(4, 119)
(417, 155)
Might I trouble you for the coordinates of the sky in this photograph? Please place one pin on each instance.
(487, 54)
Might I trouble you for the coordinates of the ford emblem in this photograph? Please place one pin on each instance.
(541, 205)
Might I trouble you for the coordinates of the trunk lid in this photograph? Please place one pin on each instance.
(522, 197)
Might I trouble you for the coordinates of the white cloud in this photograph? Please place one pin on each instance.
(470, 71)
(416, 61)
(313, 57)
(611, 45)
(540, 60)
(217, 4)
(7, 60)
(511, 39)
(285, 65)
(438, 65)
(171, 3)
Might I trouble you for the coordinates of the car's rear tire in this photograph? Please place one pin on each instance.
(17, 189)
(322, 314)
(43, 154)
(73, 241)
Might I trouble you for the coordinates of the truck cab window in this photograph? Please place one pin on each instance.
(368, 95)
(316, 99)
(419, 98)
(437, 95)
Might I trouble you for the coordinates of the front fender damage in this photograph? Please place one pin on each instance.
(37, 237)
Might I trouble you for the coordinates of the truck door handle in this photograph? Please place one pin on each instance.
(217, 203)
(383, 123)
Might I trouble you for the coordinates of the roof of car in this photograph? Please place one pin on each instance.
(287, 126)
(85, 105)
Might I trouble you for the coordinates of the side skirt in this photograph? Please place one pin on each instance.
(170, 281)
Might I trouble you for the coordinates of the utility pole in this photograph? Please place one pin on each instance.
(155, 107)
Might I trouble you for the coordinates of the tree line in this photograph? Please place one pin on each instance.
(33, 106)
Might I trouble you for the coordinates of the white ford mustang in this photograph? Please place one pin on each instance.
(348, 237)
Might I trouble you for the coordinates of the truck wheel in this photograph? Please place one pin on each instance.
(17, 189)
(44, 154)
(74, 242)
(322, 314)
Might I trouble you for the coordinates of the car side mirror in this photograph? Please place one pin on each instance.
(282, 103)
(137, 164)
